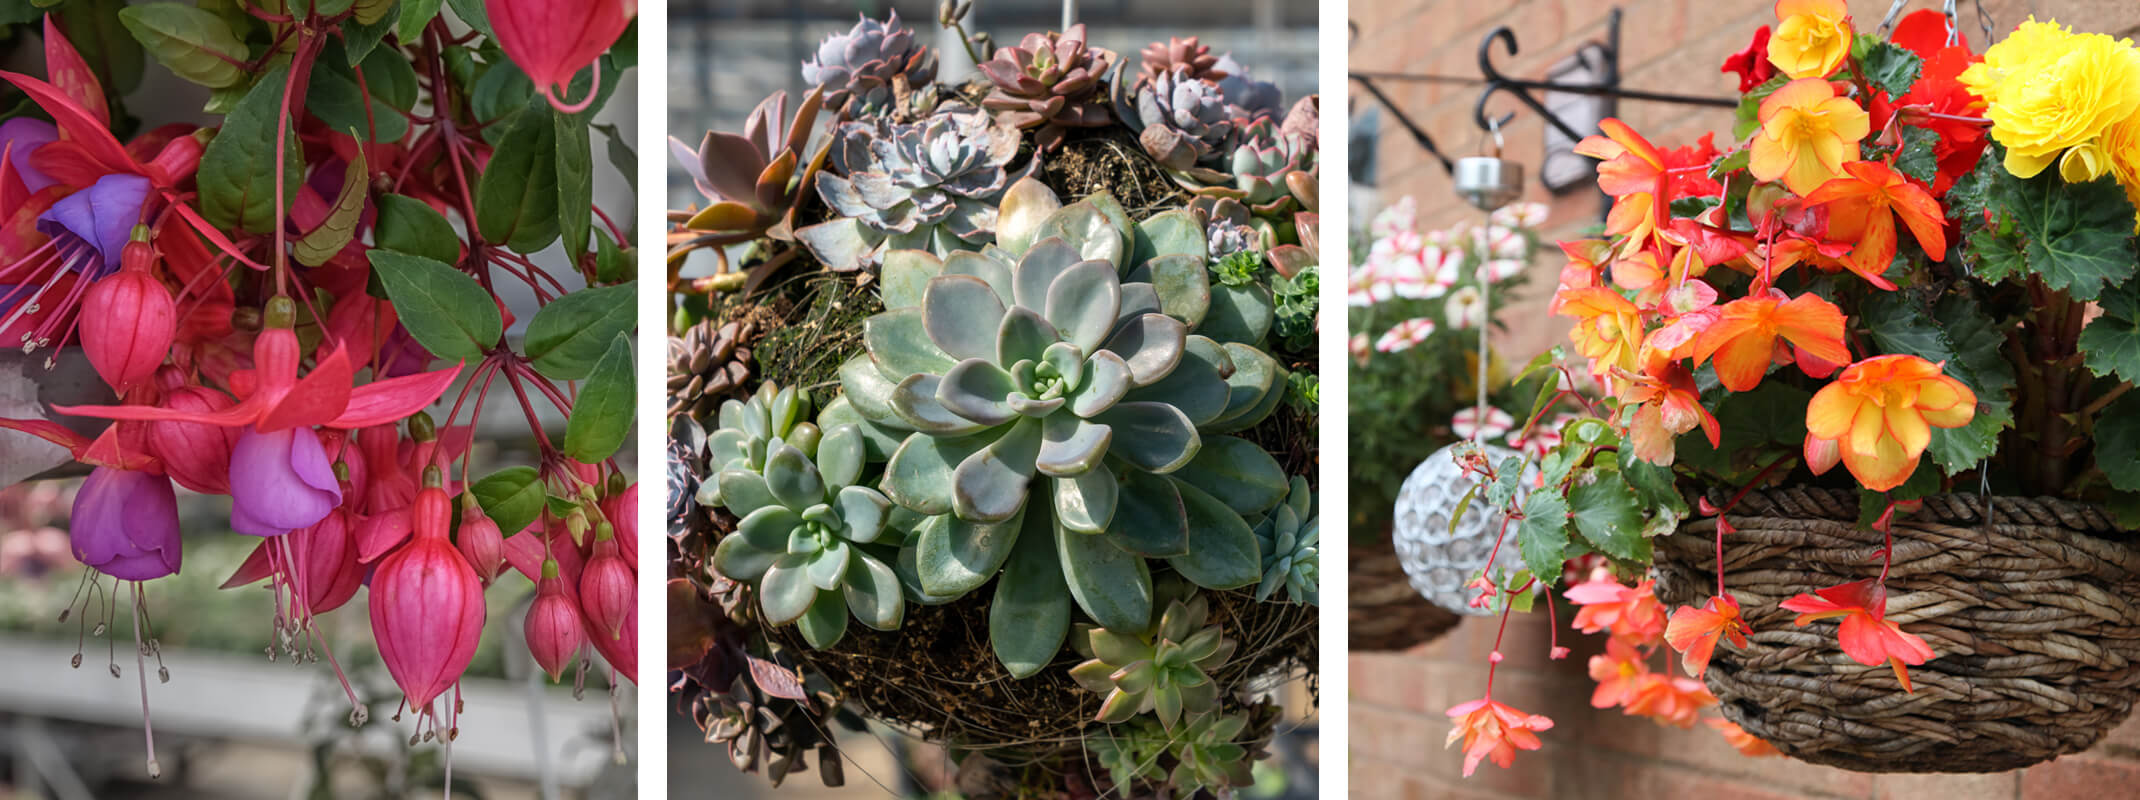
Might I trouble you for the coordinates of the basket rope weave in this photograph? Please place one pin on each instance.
(2035, 618)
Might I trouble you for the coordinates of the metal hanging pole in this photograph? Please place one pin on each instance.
(1069, 14)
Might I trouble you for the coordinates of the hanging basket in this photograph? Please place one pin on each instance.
(1383, 612)
(2035, 618)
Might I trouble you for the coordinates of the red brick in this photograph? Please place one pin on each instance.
(2079, 776)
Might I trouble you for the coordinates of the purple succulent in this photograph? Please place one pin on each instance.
(858, 69)
(750, 179)
(932, 185)
(1246, 97)
(21, 136)
(125, 524)
(1048, 81)
(1185, 118)
(280, 482)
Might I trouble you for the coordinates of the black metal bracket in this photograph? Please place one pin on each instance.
(1496, 82)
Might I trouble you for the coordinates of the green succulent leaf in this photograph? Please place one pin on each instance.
(954, 556)
(1113, 587)
(1237, 472)
(824, 622)
(1150, 519)
(1030, 613)
(1223, 553)
(873, 593)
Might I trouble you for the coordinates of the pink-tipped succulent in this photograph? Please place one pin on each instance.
(1162, 57)
(751, 180)
(1048, 81)
(865, 71)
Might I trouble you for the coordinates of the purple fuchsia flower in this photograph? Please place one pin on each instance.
(125, 524)
(88, 229)
(21, 136)
(280, 482)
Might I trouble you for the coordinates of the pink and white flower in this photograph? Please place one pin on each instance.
(1405, 334)
(1469, 424)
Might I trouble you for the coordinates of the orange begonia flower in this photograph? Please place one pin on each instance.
(1491, 729)
(1743, 339)
(1631, 613)
(1668, 403)
(1881, 411)
(1746, 743)
(1694, 631)
(1806, 135)
(1618, 671)
(1633, 173)
(1586, 263)
(1608, 328)
(1813, 38)
(1669, 700)
(1866, 196)
(1867, 636)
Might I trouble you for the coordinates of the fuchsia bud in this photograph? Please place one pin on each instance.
(179, 158)
(553, 624)
(327, 568)
(552, 40)
(622, 509)
(194, 454)
(134, 317)
(427, 605)
(607, 586)
(479, 541)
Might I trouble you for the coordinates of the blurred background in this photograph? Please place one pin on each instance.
(232, 722)
(727, 55)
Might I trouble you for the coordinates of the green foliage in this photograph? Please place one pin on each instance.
(568, 335)
(192, 43)
(517, 198)
(1297, 302)
(603, 413)
(511, 497)
(237, 172)
(2111, 343)
(2117, 435)
(1166, 673)
(1290, 539)
(445, 310)
(2075, 236)
(1889, 67)
(1958, 334)
(1244, 268)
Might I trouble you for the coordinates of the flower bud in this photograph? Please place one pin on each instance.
(552, 40)
(327, 573)
(607, 585)
(479, 541)
(426, 606)
(194, 454)
(553, 624)
(133, 319)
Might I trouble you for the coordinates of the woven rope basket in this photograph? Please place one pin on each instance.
(1384, 613)
(2035, 617)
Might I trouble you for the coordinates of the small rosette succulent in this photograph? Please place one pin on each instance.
(751, 179)
(1211, 755)
(1071, 364)
(800, 540)
(858, 70)
(1184, 118)
(1167, 673)
(1049, 81)
(932, 185)
(1246, 97)
(1289, 541)
(1260, 166)
(750, 430)
(1162, 57)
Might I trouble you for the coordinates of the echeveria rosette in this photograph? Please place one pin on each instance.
(803, 526)
(857, 70)
(1290, 543)
(1049, 82)
(750, 430)
(750, 180)
(1260, 166)
(932, 185)
(1184, 119)
(1167, 673)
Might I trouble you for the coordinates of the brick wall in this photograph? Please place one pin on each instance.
(1397, 700)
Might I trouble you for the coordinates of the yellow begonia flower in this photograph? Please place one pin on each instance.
(2049, 90)
(1813, 38)
(1881, 412)
(1806, 134)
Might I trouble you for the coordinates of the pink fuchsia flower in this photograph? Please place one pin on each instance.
(553, 624)
(552, 40)
(427, 606)
(1468, 424)
(1404, 335)
(280, 482)
(125, 524)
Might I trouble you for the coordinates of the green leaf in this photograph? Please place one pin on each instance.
(1030, 613)
(360, 38)
(1542, 536)
(620, 154)
(1997, 253)
(415, 14)
(2111, 343)
(2117, 434)
(575, 182)
(408, 225)
(1237, 472)
(340, 227)
(1113, 587)
(1916, 159)
(444, 309)
(194, 44)
(502, 91)
(511, 497)
(1959, 335)
(603, 413)
(339, 100)
(568, 335)
(237, 172)
(1223, 553)
(1757, 427)
(1607, 514)
(611, 264)
(473, 13)
(2076, 236)
(516, 199)
(1888, 66)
